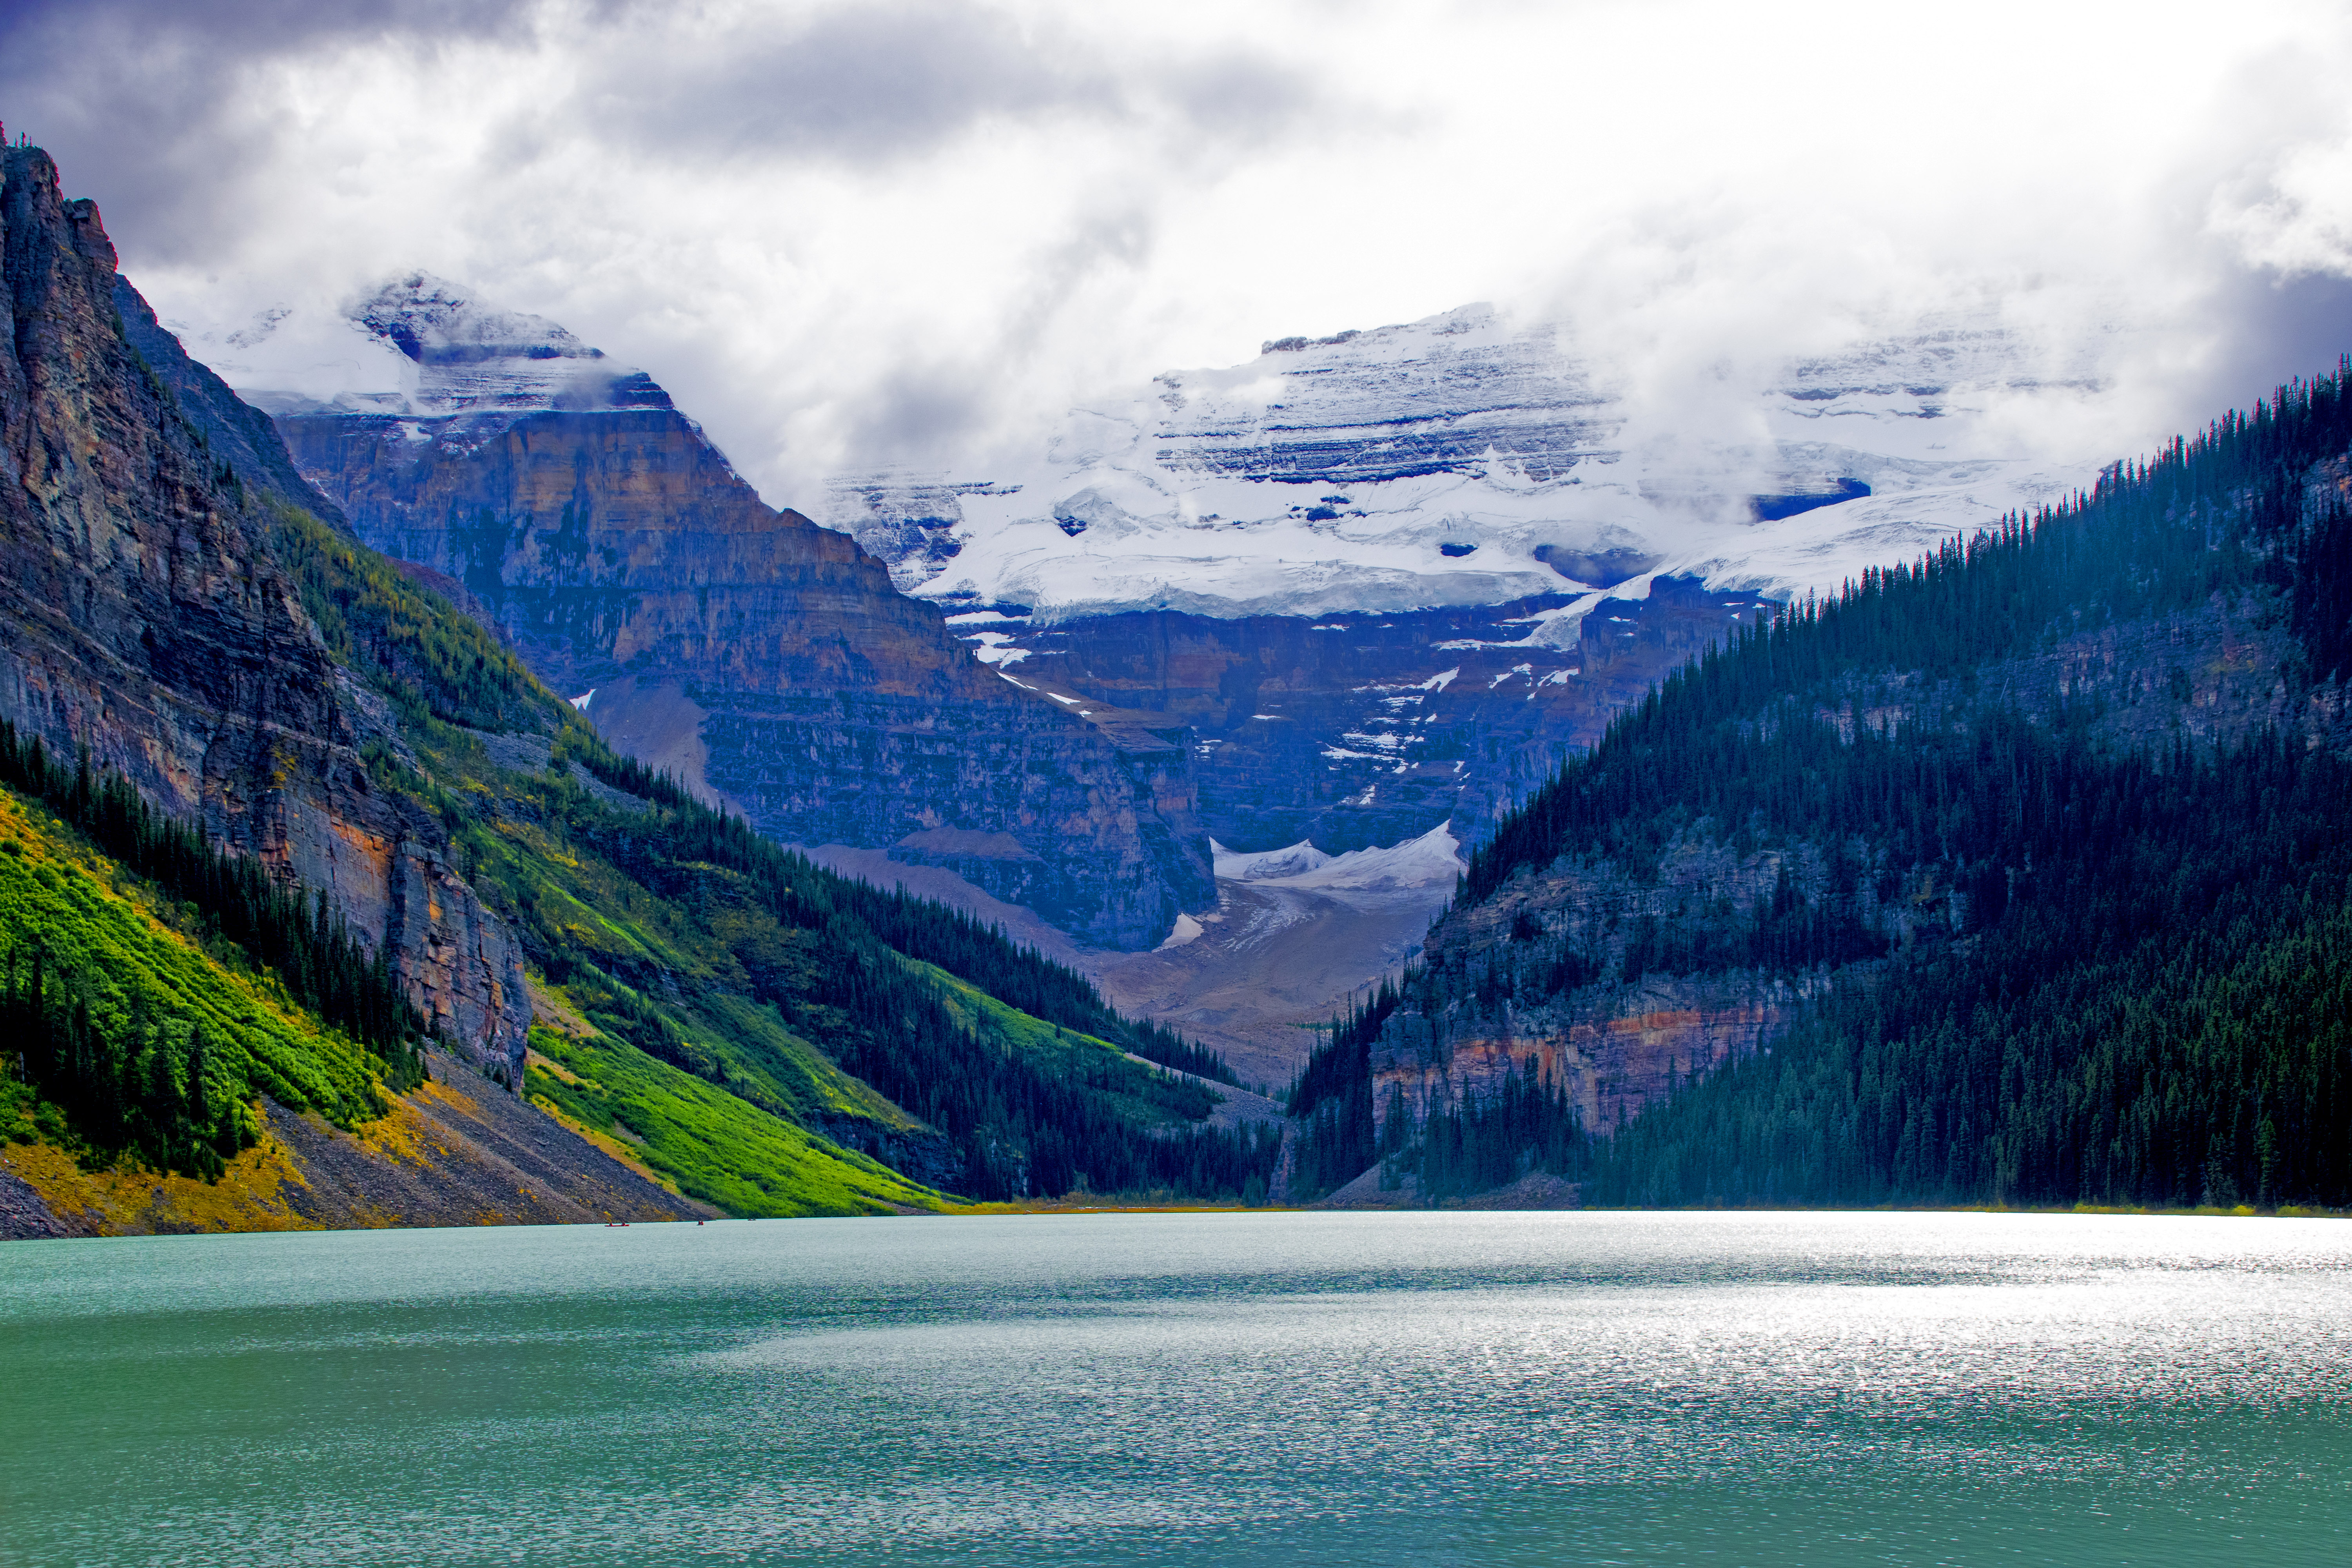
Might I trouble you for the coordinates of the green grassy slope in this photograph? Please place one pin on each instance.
(174, 1031)
(709, 1142)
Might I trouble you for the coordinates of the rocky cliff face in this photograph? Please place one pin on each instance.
(146, 620)
(1610, 1061)
(1360, 730)
(631, 565)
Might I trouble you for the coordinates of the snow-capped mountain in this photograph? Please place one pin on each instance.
(418, 347)
(1466, 459)
(1390, 577)
(765, 660)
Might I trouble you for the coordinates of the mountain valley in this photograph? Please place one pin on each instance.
(1388, 772)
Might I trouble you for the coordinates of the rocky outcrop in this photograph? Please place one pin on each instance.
(146, 619)
(1554, 948)
(624, 558)
(1612, 1052)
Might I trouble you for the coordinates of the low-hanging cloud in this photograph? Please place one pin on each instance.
(156, 100)
(913, 233)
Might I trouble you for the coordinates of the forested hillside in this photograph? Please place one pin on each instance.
(680, 945)
(2029, 864)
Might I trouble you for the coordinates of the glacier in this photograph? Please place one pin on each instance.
(1432, 859)
(1469, 458)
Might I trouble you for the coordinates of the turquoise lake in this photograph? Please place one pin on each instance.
(1291, 1388)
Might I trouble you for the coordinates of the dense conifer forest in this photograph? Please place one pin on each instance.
(2136, 991)
(804, 894)
(132, 1024)
(279, 930)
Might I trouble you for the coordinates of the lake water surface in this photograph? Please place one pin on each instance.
(1294, 1388)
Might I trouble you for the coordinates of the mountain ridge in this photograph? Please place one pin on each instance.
(208, 642)
(615, 546)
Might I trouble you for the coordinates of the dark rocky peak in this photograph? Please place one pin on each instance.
(421, 349)
(478, 366)
(434, 322)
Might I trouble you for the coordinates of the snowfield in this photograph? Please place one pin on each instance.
(1464, 459)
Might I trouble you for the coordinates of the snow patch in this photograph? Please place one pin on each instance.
(996, 647)
(1431, 861)
(1187, 930)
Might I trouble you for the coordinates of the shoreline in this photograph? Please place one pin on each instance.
(1048, 1208)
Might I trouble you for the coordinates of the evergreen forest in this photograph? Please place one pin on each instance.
(2068, 911)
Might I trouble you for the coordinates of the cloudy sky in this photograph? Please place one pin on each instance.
(913, 233)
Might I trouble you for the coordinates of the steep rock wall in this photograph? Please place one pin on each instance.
(143, 616)
(623, 556)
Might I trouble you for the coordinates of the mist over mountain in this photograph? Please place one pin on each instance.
(1469, 459)
(766, 661)
(1062, 200)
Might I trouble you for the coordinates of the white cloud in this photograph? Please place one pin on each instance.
(851, 233)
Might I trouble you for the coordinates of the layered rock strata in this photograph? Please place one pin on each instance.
(1611, 1055)
(632, 566)
(146, 620)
